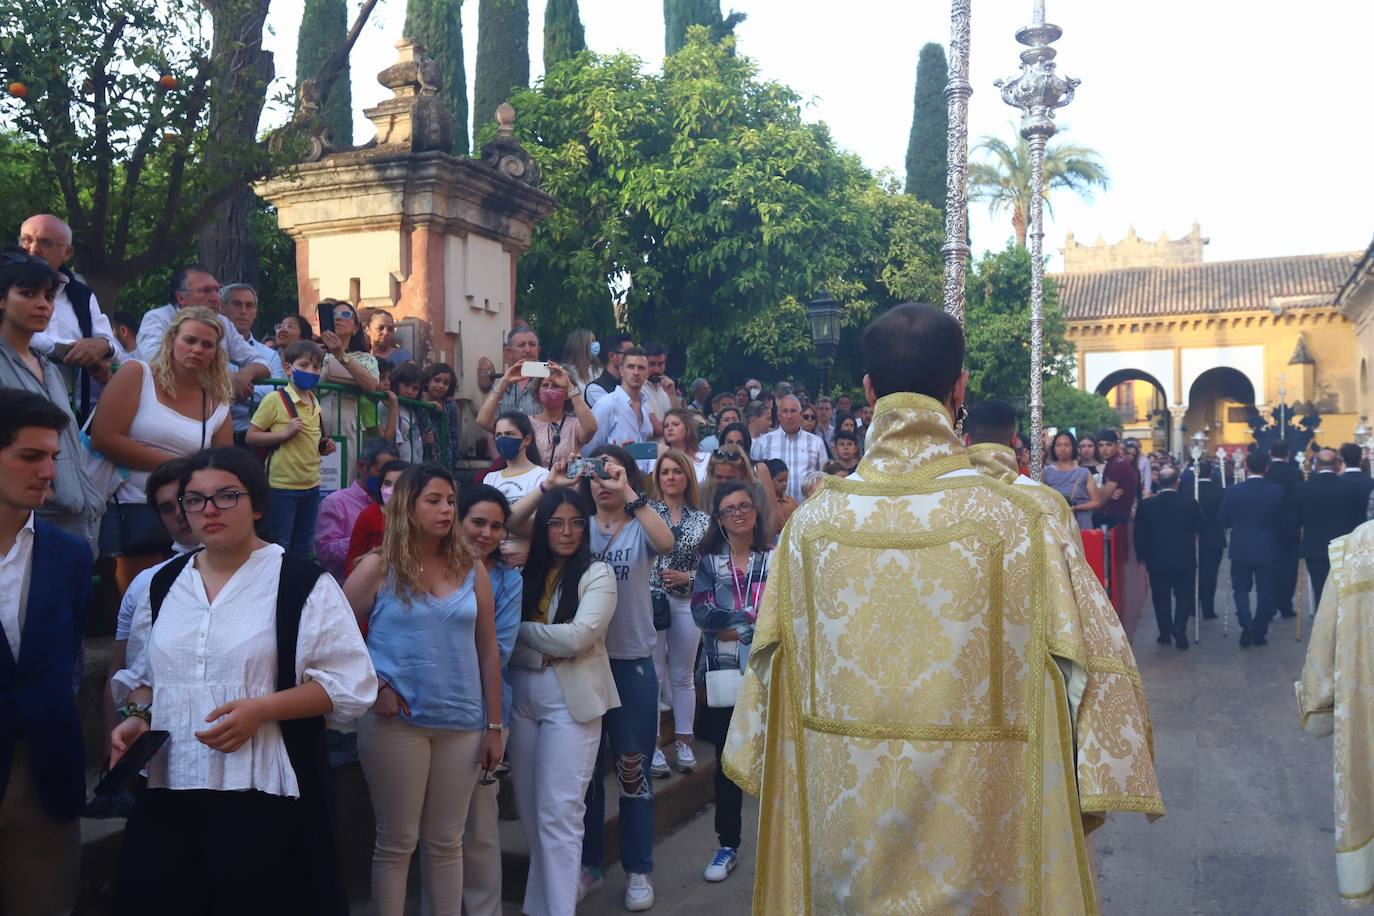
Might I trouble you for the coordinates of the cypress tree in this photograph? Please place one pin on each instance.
(324, 25)
(438, 25)
(927, 151)
(503, 56)
(679, 15)
(563, 35)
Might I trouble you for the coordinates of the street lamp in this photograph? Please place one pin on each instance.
(824, 315)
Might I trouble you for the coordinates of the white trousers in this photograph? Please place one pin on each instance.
(551, 758)
(675, 658)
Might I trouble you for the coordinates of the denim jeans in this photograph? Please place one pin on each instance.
(632, 731)
(1263, 577)
(292, 519)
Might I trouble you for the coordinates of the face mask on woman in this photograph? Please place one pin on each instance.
(552, 398)
(595, 348)
(386, 490)
(508, 446)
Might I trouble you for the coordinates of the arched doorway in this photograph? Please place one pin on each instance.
(1220, 403)
(1140, 401)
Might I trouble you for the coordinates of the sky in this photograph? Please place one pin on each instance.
(1241, 116)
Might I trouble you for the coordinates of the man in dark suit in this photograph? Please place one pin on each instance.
(1254, 510)
(45, 588)
(1351, 454)
(1165, 528)
(1287, 475)
(1328, 507)
(1211, 535)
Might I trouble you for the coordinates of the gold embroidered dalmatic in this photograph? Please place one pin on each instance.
(1336, 696)
(940, 701)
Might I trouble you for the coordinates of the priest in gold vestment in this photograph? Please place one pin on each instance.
(940, 701)
(1336, 696)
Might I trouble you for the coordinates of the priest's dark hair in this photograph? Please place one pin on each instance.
(992, 420)
(914, 347)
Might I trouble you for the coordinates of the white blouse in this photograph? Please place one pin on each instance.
(203, 654)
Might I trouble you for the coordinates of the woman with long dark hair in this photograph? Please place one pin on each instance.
(680, 433)
(563, 685)
(522, 474)
(1073, 480)
(241, 787)
(725, 603)
(439, 386)
(437, 723)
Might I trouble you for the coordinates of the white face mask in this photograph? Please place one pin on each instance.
(754, 394)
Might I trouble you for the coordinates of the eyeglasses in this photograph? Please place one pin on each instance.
(808, 416)
(575, 524)
(500, 771)
(740, 509)
(224, 500)
(732, 456)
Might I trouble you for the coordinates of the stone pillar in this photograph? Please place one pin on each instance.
(404, 225)
(1179, 447)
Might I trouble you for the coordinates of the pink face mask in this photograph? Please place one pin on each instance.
(552, 398)
(386, 491)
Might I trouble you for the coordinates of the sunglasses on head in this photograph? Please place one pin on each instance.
(721, 454)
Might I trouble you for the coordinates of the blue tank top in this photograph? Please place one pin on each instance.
(426, 648)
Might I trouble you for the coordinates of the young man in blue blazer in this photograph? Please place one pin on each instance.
(45, 590)
(1256, 511)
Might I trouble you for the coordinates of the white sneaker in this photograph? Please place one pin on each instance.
(686, 760)
(722, 864)
(659, 768)
(639, 893)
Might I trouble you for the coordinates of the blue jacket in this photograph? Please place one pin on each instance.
(1254, 510)
(38, 690)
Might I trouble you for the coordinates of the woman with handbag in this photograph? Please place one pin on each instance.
(150, 413)
(725, 603)
(1072, 479)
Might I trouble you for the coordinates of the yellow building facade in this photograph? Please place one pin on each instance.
(1179, 345)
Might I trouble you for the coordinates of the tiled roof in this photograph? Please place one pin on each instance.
(1199, 289)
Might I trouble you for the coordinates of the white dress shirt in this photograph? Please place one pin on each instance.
(617, 424)
(203, 654)
(63, 326)
(802, 452)
(15, 567)
(242, 411)
(157, 321)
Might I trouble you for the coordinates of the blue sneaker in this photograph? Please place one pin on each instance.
(722, 864)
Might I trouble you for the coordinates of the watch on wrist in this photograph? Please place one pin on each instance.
(109, 350)
(142, 711)
(494, 726)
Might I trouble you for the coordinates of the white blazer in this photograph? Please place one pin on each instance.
(578, 647)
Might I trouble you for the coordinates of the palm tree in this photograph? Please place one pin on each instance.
(1003, 179)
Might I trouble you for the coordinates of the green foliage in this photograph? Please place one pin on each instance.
(503, 57)
(997, 327)
(563, 34)
(438, 25)
(1083, 411)
(701, 201)
(26, 184)
(681, 15)
(324, 25)
(927, 151)
(1003, 179)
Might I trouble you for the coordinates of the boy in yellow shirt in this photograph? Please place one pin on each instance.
(288, 423)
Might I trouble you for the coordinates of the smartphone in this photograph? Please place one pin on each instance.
(324, 315)
(122, 774)
(586, 467)
(532, 369)
(642, 451)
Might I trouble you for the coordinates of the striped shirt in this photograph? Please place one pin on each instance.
(802, 452)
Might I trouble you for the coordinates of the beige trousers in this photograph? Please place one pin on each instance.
(40, 858)
(421, 780)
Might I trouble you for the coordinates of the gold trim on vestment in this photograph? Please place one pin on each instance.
(1075, 807)
(1140, 804)
(1035, 711)
(913, 732)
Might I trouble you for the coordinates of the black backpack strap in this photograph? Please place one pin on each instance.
(163, 579)
(82, 300)
(324, 889)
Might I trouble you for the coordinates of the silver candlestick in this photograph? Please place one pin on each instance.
(957, 92)
(1037, 91)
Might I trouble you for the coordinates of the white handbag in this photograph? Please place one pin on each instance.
(107, 476)
(722, 687)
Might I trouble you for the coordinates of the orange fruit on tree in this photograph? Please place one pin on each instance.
(167, 81)
(18, 89)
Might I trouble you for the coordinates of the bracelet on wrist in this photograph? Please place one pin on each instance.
(142, 711)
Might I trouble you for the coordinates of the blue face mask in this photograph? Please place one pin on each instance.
(373, 485)
(304, 380)
(508, 446)
(595, 348)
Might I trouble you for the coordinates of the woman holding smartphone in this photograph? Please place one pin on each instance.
(229, 796)
(346, 362)
(427, 601)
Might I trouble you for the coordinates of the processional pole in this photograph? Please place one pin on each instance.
(957, 92)
(1037, 91)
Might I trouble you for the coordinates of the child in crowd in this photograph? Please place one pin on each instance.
(288, 423)
(405, 382)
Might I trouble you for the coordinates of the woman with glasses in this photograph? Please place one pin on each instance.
(680, 434)
(150, 413)
(670, 586)
(731, 464)
(236, 817)
(482, 515)
(629, 535)
(522, 474)
(562, 683)
(430, 614)
(347, 362)
(725, 603)
(292, 328)
(439, 386)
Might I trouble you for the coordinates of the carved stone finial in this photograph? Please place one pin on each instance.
(505, 154)
(505, 120)
(414, 117)
(1301, 355)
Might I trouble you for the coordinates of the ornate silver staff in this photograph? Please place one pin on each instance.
(957, 92)
(1038, 91)
(1199, 440)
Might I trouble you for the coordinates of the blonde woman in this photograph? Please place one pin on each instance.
(680, 433)
(428, 606)
(151, 413)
